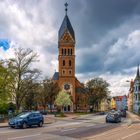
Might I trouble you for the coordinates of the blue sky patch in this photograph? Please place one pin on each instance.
(5, 44)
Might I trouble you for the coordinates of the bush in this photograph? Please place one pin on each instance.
(4, 108)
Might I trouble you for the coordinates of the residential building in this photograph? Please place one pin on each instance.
(136, 95)
(130, 96)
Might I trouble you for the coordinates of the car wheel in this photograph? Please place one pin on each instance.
(40, 124)
(12, 126)
(24, 125)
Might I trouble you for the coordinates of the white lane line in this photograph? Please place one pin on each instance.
(129, 135)
(9, 131)
(23, 137)
(68, 129)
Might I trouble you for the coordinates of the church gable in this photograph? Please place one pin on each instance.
(67, 38)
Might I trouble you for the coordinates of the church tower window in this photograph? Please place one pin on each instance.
(62, 51)
(70, 72)
(69, 62)
(63, 62)
(71, 51)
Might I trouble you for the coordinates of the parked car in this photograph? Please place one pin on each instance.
(113, 116)
(122, 113)
(101, 113)
(44, 112)
(27, 119)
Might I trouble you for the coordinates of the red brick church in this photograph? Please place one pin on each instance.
(66, 76)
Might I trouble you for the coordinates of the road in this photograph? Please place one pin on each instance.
(87, 127)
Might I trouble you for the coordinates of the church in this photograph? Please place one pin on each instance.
(66, 67)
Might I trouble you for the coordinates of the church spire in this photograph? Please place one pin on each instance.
(138, 73)
(66, 26)
(66, 9)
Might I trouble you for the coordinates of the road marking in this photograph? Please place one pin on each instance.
(68, 129)
(9, 131)
(23, 137)
(129, 135)
(110, 132)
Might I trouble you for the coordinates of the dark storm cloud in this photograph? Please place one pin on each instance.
(93, 21)
(107, 31)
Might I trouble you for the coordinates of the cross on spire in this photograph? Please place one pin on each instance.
(66, 5)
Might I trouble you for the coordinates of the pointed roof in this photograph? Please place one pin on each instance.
(138, 71)
(55, 76)
(66, 27)
(138, 74)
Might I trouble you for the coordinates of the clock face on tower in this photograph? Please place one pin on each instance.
(66, 86)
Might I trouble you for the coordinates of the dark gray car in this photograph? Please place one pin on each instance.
(113, 116)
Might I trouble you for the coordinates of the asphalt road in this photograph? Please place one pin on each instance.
(85, 127)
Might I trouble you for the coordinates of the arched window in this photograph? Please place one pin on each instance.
(63, 71)
(69, 62)
(62, 52)
(71, 51)
(68, 51)
(65, 51)
(63, 62)
(70, 72)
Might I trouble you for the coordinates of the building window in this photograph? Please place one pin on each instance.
(62, 51)
(71, 51)
(68, 51)
(63, 71)
(139, 88)
(70, 72)
(63, 62)
(65, 52)
(136, 97)
(69, 62)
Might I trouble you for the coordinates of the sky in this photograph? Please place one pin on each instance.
(107, 36)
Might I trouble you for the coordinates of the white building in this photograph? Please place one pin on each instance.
(136, 95)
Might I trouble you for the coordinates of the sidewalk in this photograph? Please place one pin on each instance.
(133, 117)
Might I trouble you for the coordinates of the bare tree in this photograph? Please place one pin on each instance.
(20, 69)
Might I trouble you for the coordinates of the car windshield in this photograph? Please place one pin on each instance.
(23, 115)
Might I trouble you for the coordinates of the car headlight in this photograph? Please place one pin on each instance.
(19, 122)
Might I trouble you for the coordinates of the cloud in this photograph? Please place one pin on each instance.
(107, 35)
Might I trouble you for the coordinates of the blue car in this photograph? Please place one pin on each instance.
(27, 119)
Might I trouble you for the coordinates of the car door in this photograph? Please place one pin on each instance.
(31, 119)
(37, 118)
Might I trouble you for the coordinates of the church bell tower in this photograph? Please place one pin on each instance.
(66, 57)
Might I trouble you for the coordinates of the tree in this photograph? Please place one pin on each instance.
(22, 74)
(4, 82)
(63, 99)
(30, 100)
(97, 89)
(48, 92)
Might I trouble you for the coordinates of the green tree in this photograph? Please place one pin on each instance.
(48, 92)
(63, 99)
(97, 89)
(4, 82)
(31, 98)
(22, 73)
